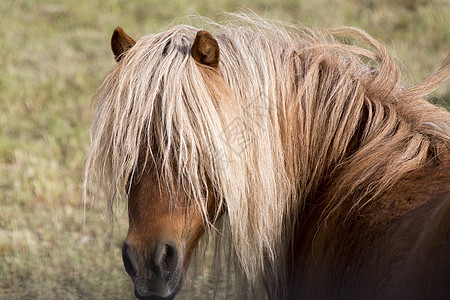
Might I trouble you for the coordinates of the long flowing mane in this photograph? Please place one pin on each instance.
(289, 109)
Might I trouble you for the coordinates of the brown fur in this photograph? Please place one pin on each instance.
(173, 221)
(397, 247)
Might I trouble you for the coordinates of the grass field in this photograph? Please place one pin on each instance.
(53, 55)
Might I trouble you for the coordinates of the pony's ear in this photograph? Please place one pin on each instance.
(205, 49)
(120, 43)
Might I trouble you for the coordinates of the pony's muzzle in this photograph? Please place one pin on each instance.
(155, 274)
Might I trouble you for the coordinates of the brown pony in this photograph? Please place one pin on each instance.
(330, 175)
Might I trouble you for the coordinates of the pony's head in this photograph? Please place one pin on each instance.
(164, 223)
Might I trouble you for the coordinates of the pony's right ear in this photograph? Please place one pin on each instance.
(120, 43)
(205, 49)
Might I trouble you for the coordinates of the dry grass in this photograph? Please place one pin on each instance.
(53, 55)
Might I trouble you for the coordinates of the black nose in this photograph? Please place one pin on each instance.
(162, 263)
(155, 269)
(166, 260)
(126, 257)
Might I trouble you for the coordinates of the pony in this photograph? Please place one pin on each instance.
(329, 173)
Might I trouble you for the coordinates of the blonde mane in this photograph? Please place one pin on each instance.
(263, 132)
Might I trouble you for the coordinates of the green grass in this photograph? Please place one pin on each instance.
(53, 55)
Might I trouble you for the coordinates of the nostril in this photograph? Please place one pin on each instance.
(168, 259)
(126, 257)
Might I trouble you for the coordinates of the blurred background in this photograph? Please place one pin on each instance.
(53, 55)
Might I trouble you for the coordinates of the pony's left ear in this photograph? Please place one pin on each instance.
(120, 43)
(205, 49)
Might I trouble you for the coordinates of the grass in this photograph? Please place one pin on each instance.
(53, 55)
